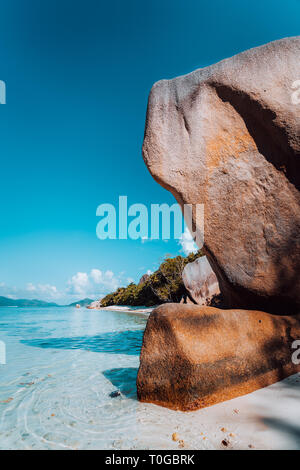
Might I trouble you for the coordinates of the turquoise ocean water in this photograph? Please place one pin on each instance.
(62, 365)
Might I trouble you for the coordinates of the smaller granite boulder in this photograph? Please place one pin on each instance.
(200, 281)
(194, 356)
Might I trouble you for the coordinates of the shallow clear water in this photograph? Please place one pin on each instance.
(63, 364)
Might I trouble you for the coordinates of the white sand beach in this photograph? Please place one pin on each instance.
(128, 309)
(265, 419)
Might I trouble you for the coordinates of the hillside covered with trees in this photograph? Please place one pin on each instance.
(164, 285)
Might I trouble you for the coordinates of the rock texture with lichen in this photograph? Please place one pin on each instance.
(228, 136)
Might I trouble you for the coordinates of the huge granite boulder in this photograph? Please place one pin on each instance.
(195, 356)
(228, 136)
(200, 281)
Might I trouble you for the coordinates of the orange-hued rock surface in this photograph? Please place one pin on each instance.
(194, 356)
(228, 136)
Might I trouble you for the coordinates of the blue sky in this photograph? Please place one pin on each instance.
(78, 75)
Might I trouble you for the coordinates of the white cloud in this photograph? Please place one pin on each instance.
(96, 275)
(39, 291)
(93, 284)
(78, 284)
(44, 289)
(109, 274)
(187, 243)
(30, 287)
(8, 291)
(47, 289)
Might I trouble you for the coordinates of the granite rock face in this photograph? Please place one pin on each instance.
(228, 136)
(144, 278)
(193, 356)
(95, 305)
(200, 281)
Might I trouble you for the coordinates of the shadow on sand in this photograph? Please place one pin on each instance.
(287, 424)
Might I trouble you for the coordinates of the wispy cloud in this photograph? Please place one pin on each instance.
(40, 291)
(93, 283)
(44, 289)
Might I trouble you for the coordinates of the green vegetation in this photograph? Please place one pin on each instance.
(164, 285)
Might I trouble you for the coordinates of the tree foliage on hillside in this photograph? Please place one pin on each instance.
(164, 285)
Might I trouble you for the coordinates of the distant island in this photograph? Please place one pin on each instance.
(82, 303)
(7, 302)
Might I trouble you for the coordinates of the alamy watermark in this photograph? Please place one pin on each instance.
(296, 354)
(2, 92)
(2, 352)
(295, 96)
(163, 222)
